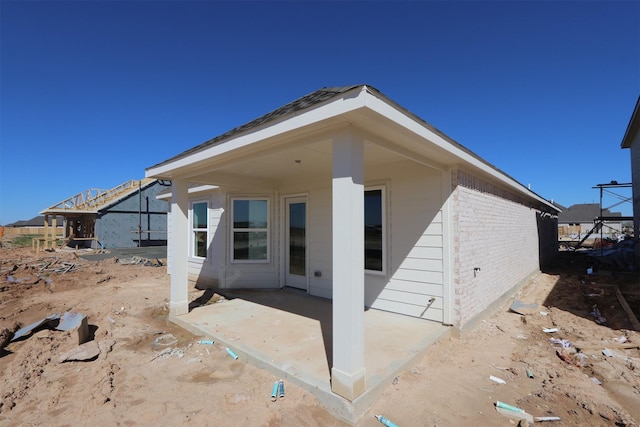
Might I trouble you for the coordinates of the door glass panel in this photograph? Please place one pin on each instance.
(297, 238)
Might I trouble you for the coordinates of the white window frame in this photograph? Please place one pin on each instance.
(383, 207)
(193, 230)
(233, 230)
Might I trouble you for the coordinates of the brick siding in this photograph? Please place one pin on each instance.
(498, 232)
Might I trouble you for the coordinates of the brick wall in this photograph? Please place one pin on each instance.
(500, 234)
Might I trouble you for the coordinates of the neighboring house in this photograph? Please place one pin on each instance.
(126, 216)
(346, 195)
(29, 226)
(577, 221)
(631, 140)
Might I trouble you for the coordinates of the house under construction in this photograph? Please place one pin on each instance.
(125, 216)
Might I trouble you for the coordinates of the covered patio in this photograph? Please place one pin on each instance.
(290, 334)
(344, 195)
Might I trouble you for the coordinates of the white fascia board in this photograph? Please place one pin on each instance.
(193, 190)
(334, 108)
(385, 109)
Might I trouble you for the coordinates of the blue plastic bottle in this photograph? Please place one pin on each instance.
(385, 421)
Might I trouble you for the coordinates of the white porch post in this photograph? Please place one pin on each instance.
(348, 371)
(179, 302)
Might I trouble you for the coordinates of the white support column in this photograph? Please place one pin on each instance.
(348, 371)
(179, 302)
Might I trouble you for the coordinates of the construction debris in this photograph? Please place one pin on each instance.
(170, 352)
(523, 308)
(66, 322)
(87, 351)
(588, 346)
(563, 343)
(497, 380)
(231, 353)
(6, 334)
(165, 340)
(30, 328)
(70, 321)
(627, 309)
(600, 320)
(620, 256)
(136, 260)
(385, 421)
(518, 415)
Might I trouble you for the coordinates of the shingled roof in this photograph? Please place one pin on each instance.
(583, 213)
(314, 98)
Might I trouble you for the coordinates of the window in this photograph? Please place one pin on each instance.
(199, 227)
(250, 230)
(374, 230)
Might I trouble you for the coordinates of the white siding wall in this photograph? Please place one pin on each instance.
(415, 243)
(319, 230)
(251, 275)
(208, 272)
(494, 233)
(414, 246)
(217, 270)
(320, 242)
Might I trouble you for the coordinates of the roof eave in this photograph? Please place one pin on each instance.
(632, 128)
(388, 108)
(339, 104)
(358, 97)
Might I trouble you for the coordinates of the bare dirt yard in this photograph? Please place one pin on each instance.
(142, 376)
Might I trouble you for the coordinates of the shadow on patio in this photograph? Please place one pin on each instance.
(289, 333)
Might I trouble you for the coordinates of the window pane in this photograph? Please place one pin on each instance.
(200, 244)
(249, 245)
(297, 238)
(250, 214)
(199, 215)
(373, 230)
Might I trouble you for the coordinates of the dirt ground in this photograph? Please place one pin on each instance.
(142, 378)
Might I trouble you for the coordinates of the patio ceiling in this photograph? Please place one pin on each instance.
(269, 170)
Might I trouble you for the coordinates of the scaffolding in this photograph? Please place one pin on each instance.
(600, 222)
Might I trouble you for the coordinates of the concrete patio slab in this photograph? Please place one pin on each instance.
(290, 335)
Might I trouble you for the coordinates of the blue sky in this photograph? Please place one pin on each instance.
(92, 93)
